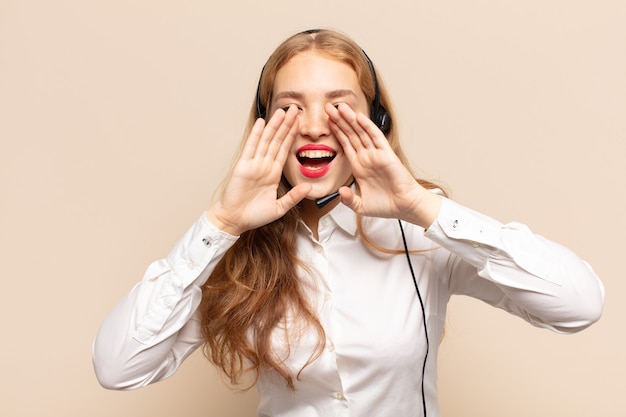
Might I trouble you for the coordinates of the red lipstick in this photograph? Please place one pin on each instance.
(315, 159)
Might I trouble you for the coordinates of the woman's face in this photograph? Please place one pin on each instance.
(309, 81)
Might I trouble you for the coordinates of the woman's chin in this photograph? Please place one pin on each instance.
(316, 194)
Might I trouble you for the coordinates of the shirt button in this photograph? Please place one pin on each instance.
(327, 297)
(191, 265)
(207, 242)
(319, 249)
(331, 348)
(340, 396)
(167, 301)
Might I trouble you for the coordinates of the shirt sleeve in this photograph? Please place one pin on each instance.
(509, 267)
(155, 327)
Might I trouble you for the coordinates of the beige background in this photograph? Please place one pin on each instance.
(118, 120)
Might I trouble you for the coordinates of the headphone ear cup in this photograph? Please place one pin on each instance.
(261, 112)
(381, 118)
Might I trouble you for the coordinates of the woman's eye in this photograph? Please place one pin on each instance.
(285, 108)
(337, 104)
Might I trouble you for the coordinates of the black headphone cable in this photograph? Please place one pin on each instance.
(419, 296)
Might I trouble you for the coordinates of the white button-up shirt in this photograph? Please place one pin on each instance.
(366, 302)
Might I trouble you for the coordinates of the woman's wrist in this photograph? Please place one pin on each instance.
(222, 222)
(425, 210)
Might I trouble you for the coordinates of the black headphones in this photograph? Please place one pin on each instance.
(378, 113)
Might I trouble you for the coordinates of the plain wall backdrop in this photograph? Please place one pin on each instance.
(118, 120)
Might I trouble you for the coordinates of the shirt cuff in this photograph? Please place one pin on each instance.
(479, 239)
(202, 243)
(171, 281)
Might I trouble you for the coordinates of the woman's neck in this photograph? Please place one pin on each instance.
(311, 214)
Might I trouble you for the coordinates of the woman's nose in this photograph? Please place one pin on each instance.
(314, 123)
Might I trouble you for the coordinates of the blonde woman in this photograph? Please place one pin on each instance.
(323, 271)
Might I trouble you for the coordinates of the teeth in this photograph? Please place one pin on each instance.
(312, 154)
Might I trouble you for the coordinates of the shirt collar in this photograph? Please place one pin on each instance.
(345, 218)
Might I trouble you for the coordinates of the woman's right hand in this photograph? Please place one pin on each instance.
(250, 198)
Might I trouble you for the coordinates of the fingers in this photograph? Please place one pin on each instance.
(274, 138)
(354, 131)
(252, 142)
(349, 198)
(293, 197)
(278, 133)
(282, 145)
(346, 130)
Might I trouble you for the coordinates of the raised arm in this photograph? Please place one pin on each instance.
(147, 336)
(505, 265)
(154, 328)
(509, 267)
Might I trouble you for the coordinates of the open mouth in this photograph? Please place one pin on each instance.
(315, 160)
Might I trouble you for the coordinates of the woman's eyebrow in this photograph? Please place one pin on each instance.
(288, 94)
(330, 94)
(340, 93)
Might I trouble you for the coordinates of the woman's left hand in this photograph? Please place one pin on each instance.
(387, 188)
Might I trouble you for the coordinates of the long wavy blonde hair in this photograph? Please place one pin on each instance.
(255, 286)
